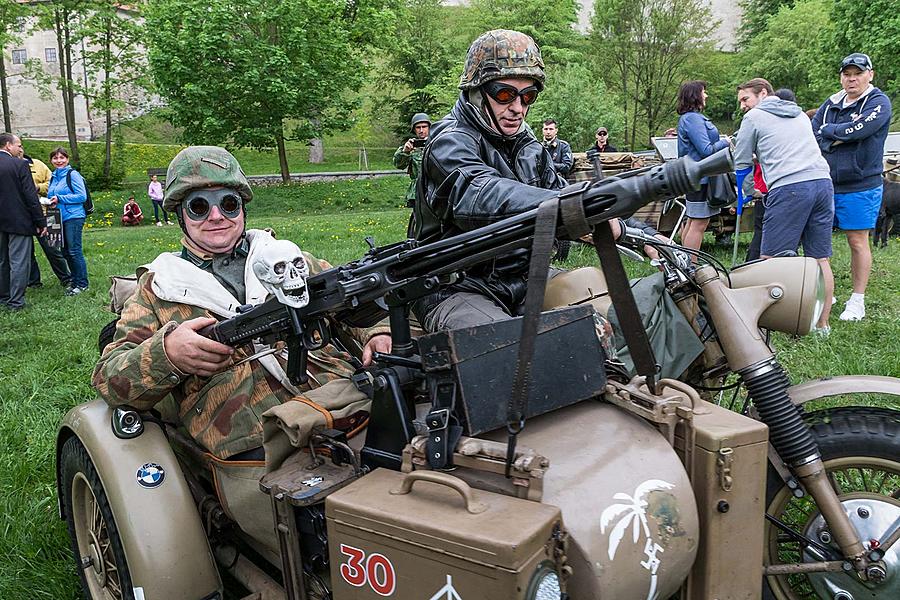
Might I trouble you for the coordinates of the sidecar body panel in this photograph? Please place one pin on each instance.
(165, 545)
(625, 497)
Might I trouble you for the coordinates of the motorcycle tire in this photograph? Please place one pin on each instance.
(106, 335)
(861, 450)
(96, 545)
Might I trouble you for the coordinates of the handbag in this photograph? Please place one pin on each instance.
(720, 190)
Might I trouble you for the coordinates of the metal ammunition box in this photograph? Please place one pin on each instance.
(482, 361)
(727, 463)
(428, 535)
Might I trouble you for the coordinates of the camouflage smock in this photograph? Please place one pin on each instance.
(222, 413)
(412, 162)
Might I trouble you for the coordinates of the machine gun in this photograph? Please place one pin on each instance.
(386, 279)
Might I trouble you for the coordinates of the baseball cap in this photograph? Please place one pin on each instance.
(857, 59)
(601, 130)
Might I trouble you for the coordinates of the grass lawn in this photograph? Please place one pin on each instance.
(48, 350)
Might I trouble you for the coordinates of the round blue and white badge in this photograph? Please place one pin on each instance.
(150, 475)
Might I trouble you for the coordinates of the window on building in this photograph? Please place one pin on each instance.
(19, 56)
(50, 54)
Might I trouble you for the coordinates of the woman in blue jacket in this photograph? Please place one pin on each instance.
(697, 138)
(70, 193)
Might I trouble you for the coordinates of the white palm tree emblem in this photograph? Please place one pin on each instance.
(633, 513)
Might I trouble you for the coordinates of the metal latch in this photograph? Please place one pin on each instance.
(723, 468)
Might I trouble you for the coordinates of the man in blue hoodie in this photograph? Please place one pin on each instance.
(851, 127)
(799, 205)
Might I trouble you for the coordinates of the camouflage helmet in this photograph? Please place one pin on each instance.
(198, 167)
(419, 118)
(499, 54)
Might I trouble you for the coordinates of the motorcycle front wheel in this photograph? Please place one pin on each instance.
(861, 450)
(99, 556)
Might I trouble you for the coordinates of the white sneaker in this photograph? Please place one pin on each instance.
(854, 310)
(833, 300)
(159, 224)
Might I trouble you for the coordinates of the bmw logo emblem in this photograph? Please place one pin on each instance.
(150, 475)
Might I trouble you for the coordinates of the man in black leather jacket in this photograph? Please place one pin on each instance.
(483, 164)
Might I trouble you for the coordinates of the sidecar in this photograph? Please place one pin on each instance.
(613, 492)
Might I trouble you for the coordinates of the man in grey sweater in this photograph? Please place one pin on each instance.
(800, 202)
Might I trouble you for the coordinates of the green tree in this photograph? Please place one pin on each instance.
(11, 15)
(236, 71)
(872, 27)
(419, 56)
(551, 24)
(580, 103)
(755, 13)
(117, 68)
(642, 48)
(797, 32)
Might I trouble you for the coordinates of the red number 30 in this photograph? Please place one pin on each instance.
(376, 570)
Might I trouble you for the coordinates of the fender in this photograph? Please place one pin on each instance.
(816, 389)
(165, 544)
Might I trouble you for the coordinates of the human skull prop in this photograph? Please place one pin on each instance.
(282, 270)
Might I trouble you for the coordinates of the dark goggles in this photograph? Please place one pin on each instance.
(857, 59)
(198, 204)
(507, 94)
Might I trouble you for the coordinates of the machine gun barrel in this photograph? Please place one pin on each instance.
(354, 292)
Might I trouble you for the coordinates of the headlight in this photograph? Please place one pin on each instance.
(801, 292)
(544, 584)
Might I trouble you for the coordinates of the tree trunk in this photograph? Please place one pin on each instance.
(107, 98)
(7, 119)
(64, 41)
(316, 151)
(282, 157)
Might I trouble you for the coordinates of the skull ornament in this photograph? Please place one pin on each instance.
(282, 270)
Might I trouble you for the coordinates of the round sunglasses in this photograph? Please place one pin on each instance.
(507, 94)
(199, 204)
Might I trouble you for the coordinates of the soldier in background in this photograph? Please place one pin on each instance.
(221, 392)
(409, 155)
(559, 149)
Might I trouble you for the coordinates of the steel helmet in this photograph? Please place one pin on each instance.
(419, 118)
(198, 167)
(499, 54)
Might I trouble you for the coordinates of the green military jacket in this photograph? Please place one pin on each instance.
(222, 413)
(412, 162)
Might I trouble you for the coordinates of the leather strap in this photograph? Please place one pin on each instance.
(538, 272)
(626, 308)
(443, 431)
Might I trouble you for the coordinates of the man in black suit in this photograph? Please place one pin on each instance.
(20, 218)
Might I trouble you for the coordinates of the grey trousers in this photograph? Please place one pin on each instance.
(57, 263)
(15, 266)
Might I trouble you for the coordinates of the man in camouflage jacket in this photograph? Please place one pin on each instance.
(409, 155)
(220, 392)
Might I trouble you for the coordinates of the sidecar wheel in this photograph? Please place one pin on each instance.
(861, 450)
(99, 557)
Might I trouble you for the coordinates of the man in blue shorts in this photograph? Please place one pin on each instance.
(851, 127)
(799, 205)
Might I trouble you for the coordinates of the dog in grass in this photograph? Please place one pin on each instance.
(889, 215)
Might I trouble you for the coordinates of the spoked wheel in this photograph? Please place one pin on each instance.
(99, 557)
(861, 450)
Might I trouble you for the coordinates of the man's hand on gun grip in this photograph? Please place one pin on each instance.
(194, 354)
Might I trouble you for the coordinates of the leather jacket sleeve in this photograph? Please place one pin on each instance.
(473, 193)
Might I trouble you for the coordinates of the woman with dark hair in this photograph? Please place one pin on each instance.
(67, 189)
(697, 138)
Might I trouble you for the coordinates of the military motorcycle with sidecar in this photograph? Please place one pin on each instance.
(583, 482)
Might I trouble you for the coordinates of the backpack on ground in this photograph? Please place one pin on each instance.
(88, 204)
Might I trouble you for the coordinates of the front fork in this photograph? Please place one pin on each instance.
(736, 314)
